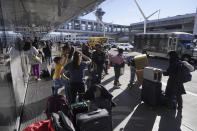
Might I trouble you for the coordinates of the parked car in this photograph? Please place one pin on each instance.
(113, 45)
(125, 46)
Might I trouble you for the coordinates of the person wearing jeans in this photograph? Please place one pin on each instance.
(119, 63)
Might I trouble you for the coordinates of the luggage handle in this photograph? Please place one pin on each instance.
(93, 113)
(157, 76)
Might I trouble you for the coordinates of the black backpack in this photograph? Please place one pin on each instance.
(45, 74)
(57, 103)
(61, 122)
(184, 74)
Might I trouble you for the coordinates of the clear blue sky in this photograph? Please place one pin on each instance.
(126, 12)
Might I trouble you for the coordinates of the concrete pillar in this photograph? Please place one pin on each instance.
(73, 25)
(195, 24)
(80, 25)
(93, 29)
(86, 23)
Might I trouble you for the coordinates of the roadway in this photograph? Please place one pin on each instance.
(138, 117)
(130, 113)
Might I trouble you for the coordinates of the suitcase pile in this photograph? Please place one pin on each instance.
(151, 87)
(79, 115)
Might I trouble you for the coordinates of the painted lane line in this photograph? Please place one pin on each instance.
(122, 125)
(188, 92)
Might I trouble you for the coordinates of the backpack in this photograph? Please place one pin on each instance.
(184, 74)
(58, 103)
(61, 122)
(45, 74)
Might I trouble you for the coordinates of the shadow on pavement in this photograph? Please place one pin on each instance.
(33, 110)
(170, 120)
(144, 118)
(108, 80)
(125, 105)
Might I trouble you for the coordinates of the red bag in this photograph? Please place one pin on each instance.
(44, 125)
(108, 67)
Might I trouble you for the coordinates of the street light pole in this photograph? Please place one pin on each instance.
(145, 18)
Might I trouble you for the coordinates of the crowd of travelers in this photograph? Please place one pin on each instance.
(72, 65)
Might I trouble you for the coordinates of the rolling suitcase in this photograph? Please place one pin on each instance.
(152, 74)
(98, 120)
(101, 103)
(151, 92)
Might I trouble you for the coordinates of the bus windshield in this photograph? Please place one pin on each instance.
(189, 45)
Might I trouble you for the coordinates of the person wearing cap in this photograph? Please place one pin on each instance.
(174, 88)
(98, 57)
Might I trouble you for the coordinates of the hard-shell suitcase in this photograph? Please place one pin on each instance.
(151, 92)
(101, 103)
(152, 74)
(141, 61)
(98, 120)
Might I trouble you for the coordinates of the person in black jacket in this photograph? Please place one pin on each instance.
(174, 88)
(98, 57)
(47, 52)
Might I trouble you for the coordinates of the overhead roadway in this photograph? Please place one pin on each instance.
(43, 13)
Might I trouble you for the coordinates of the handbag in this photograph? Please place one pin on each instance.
(35, 59)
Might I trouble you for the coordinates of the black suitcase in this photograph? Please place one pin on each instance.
(98, 120)
(101, 103)
(151, 92)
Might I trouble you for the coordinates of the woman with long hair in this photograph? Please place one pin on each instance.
(76, 69)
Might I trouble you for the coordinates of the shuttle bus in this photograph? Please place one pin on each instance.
(158, 44)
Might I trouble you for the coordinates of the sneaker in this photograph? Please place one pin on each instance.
(179, 108)
(38, 79)
(116, 87)
(119, 84)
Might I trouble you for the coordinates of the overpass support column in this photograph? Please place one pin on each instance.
(73, 25)
(80, 25)
(86, 23)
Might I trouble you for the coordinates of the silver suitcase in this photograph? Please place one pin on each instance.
(152, 74)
